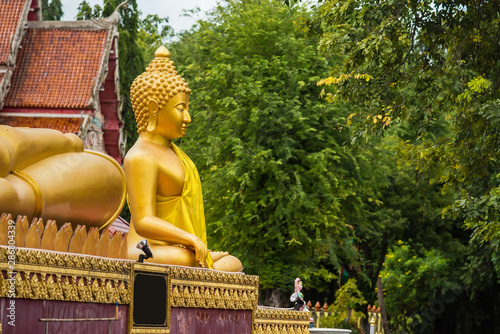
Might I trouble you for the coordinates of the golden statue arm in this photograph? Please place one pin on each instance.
(142, 178)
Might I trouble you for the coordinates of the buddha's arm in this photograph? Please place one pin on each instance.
(142, 182)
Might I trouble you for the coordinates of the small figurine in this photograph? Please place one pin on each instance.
(297, 297)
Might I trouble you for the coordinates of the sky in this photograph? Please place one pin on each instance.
(164, 8)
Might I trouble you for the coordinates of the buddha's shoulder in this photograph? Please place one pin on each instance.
(140, 154)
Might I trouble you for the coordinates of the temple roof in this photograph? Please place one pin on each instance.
(63, 124)
(119, 224)
(57, 68)
(11, 18)
(60, 71)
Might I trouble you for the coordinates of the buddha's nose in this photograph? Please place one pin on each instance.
(187, 117)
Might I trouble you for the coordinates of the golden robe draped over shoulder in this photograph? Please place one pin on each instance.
(186, 211)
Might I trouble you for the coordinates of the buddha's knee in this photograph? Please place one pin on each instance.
(228, 263)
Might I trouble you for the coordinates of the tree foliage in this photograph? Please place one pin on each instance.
(153, 32)
(52, 11)
(282, 190)
(425, 63)
(86, 12)
(413, 277)
(427, 73)
(342, 314)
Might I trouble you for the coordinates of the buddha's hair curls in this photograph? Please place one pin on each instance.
(160, 82)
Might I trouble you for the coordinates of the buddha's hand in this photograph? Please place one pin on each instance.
(199, 248)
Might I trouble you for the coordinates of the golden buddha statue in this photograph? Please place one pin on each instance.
(49, 175)
(164, 188)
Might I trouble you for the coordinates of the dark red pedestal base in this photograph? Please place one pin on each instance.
(209, 321)
(28, 312)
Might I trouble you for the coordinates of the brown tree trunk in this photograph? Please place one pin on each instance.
(348, 316)
(381, 302)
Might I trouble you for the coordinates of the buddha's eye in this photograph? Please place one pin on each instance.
(181, 109)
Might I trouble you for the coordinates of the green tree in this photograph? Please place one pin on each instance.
(85, 11)
(282, 190)
(425, 63)
(396, 203)
(341, 313)
(269, 150)
(153, 32)
(52, 11)
(429, 67)
(413, 277)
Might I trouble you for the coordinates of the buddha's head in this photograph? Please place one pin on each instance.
(151, 90)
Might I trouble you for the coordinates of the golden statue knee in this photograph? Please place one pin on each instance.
(228, 263)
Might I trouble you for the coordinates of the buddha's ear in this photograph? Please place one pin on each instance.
(153, 106)
(153, 115)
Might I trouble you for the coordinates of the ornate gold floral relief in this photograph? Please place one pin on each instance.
(200, 288)
(271, 321)
(66, 277)
(149, 331)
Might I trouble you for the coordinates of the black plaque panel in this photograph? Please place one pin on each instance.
(150, 300)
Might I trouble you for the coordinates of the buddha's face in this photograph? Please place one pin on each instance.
(174, 117)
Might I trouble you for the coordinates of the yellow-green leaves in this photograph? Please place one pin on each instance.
(477, 86)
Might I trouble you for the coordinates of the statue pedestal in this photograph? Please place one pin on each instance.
(72, 293)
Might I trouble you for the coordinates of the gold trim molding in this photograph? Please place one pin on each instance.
(198, 274)
(199, 288)
(212, 298)
(66, 277)
(149, 330)
(77, 288)
(279, 329)
(271, 321)
(49, 259)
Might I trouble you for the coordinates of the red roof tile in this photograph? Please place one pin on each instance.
(119, 224)
(10, 15)
(65, 125)
(56, 68)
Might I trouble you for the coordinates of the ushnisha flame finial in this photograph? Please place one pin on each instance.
(162, 52)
